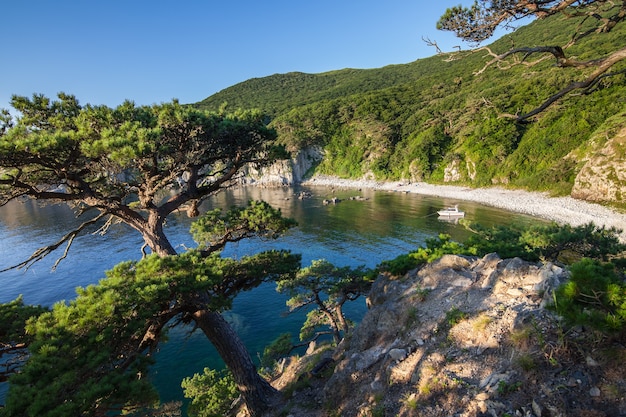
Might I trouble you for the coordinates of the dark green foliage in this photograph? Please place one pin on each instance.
(419, 156)
(215, 228)
(506, 241)
(280, 93)
(122, 161)
(326, 288)
(138, 165)
(13, 317)
(552, 242)
(212, 393)
(92, 355)
(6, 121)
(435, 248)
(279, 348)
(401, 264)
(84, 354)
(594, 296)
(546, 242)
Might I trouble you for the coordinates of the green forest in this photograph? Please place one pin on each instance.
(411, 121)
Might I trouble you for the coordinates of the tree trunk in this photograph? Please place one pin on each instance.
(158, 243)
(155, 238)
(257, 393)
(333, 325)
(341, 318)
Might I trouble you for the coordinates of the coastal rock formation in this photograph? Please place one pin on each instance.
(603, 177)
(462, 336)
(452, 172)
(284, 172)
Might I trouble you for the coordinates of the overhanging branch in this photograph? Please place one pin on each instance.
(41, 253)
(603, 66)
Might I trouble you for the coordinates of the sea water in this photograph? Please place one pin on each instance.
(365, 228)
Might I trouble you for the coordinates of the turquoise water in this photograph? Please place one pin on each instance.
(380, 226)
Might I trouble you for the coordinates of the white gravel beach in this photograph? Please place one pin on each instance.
(563, 210)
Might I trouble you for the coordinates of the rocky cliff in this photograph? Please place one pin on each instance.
(603, 176)
(284, 172)
(464, 337)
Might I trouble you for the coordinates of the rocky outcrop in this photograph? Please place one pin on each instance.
(454, 172)
(407, 336)
(603, 177)
(284, 172)
(462, 336)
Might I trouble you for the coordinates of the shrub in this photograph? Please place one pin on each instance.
(435, 249)
(211, 393)
(400, 265)
(595, 296)
(279, 348)
(550, 242)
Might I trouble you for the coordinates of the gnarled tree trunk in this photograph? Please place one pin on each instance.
(257, 393)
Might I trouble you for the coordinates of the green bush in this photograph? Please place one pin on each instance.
(279, 348)
(551, 242)
(13, 317)
(211, 393)
(435, 249)
(595, 296)
(400, 265)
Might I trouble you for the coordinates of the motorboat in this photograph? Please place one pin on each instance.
(451, 212)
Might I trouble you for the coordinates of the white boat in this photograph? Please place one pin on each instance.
(451, 212)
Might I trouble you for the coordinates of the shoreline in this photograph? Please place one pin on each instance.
(562, 210)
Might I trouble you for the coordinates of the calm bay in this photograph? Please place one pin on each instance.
(376, 226)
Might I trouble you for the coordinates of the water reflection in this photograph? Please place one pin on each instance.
(365, 231)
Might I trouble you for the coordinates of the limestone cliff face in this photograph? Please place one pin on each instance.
(603, 177)
(285, 172)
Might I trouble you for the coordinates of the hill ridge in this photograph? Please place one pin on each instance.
(441, 119)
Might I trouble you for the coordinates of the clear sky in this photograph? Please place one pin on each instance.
(150, 52)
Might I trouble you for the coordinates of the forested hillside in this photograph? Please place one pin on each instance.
(438, 120)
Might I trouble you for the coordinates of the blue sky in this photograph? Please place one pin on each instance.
(153, 51)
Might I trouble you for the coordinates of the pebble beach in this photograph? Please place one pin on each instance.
(563, 210)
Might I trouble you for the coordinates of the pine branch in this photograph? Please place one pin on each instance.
(41, 253)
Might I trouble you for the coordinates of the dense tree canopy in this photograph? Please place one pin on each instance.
(548, 243)
(137, 165)
(453, 112)
(91, 356)
(478, 22)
